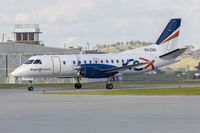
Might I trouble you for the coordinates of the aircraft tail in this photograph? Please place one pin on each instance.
(167, 41)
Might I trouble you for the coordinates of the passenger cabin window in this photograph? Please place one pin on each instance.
(74, 62)
(112, 61)
(64, 62)
(96, 61)
(102, 61)
(37, 62)
(29, 62)
(122, 61)
(85, 61)
(106, 61)
(90, 62)
(117, 61)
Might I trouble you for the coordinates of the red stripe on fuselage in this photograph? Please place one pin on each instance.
(172, 37)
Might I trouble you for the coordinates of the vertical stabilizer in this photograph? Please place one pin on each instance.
(169, 37)
(167, 41)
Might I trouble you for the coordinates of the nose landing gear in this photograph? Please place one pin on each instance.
(30, 88)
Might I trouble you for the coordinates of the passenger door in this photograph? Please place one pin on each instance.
(56, 64)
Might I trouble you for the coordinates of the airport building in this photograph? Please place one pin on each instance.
(27, 34)
(26, 44)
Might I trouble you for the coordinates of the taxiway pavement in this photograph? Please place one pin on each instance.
(22, 111)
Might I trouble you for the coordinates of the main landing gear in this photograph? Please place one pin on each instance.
(78, 85)
(30, 88)
(109, 85)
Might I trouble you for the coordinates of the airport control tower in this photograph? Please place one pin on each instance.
(27, 34)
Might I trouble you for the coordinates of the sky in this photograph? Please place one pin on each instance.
(76, 22)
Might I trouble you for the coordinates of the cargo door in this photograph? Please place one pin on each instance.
(56, 64)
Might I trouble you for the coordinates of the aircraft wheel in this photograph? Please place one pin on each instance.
(30, 88)
(78, 86)
(109, 86)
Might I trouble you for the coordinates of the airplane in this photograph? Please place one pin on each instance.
(163, 53)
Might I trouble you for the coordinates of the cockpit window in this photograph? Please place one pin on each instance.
(37, 62)
(29, 62)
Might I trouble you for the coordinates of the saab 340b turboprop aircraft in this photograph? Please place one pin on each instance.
(164, 52)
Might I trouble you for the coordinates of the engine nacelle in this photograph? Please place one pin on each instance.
(94, 70)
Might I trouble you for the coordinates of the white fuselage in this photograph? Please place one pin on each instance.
(64, 65)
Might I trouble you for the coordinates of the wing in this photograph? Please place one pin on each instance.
(123, 68)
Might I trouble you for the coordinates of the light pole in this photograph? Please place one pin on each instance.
(88, 45)
(188, 72)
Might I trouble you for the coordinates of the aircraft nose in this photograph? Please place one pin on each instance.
(18, 72)
(15, 73)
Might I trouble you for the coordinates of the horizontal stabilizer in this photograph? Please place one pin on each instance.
(123, 68)
(173, 54)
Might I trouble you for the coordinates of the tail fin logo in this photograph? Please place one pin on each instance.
(172, 37)
(151, 63)
(170, 32)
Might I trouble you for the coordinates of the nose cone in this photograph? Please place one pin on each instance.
(19, 72)
(16, 73)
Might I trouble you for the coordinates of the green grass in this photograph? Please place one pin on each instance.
(13, 87)
(97, 85)
(139, 92)
(35, 86)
